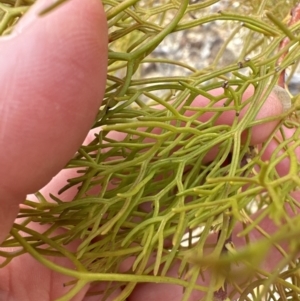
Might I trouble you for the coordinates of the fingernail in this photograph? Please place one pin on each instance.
(29, 18)
(284, 97)
(51, 6)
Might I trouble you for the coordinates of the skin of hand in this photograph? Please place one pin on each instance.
(51, 91)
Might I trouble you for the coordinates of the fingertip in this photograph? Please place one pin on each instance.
(271, 109)
(52, 84)
(51, 92)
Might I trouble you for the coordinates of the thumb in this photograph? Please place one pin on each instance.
(52, 84)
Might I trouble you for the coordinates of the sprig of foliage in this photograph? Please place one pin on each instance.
(155, 187)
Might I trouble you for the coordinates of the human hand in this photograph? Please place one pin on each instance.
(53, 92)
